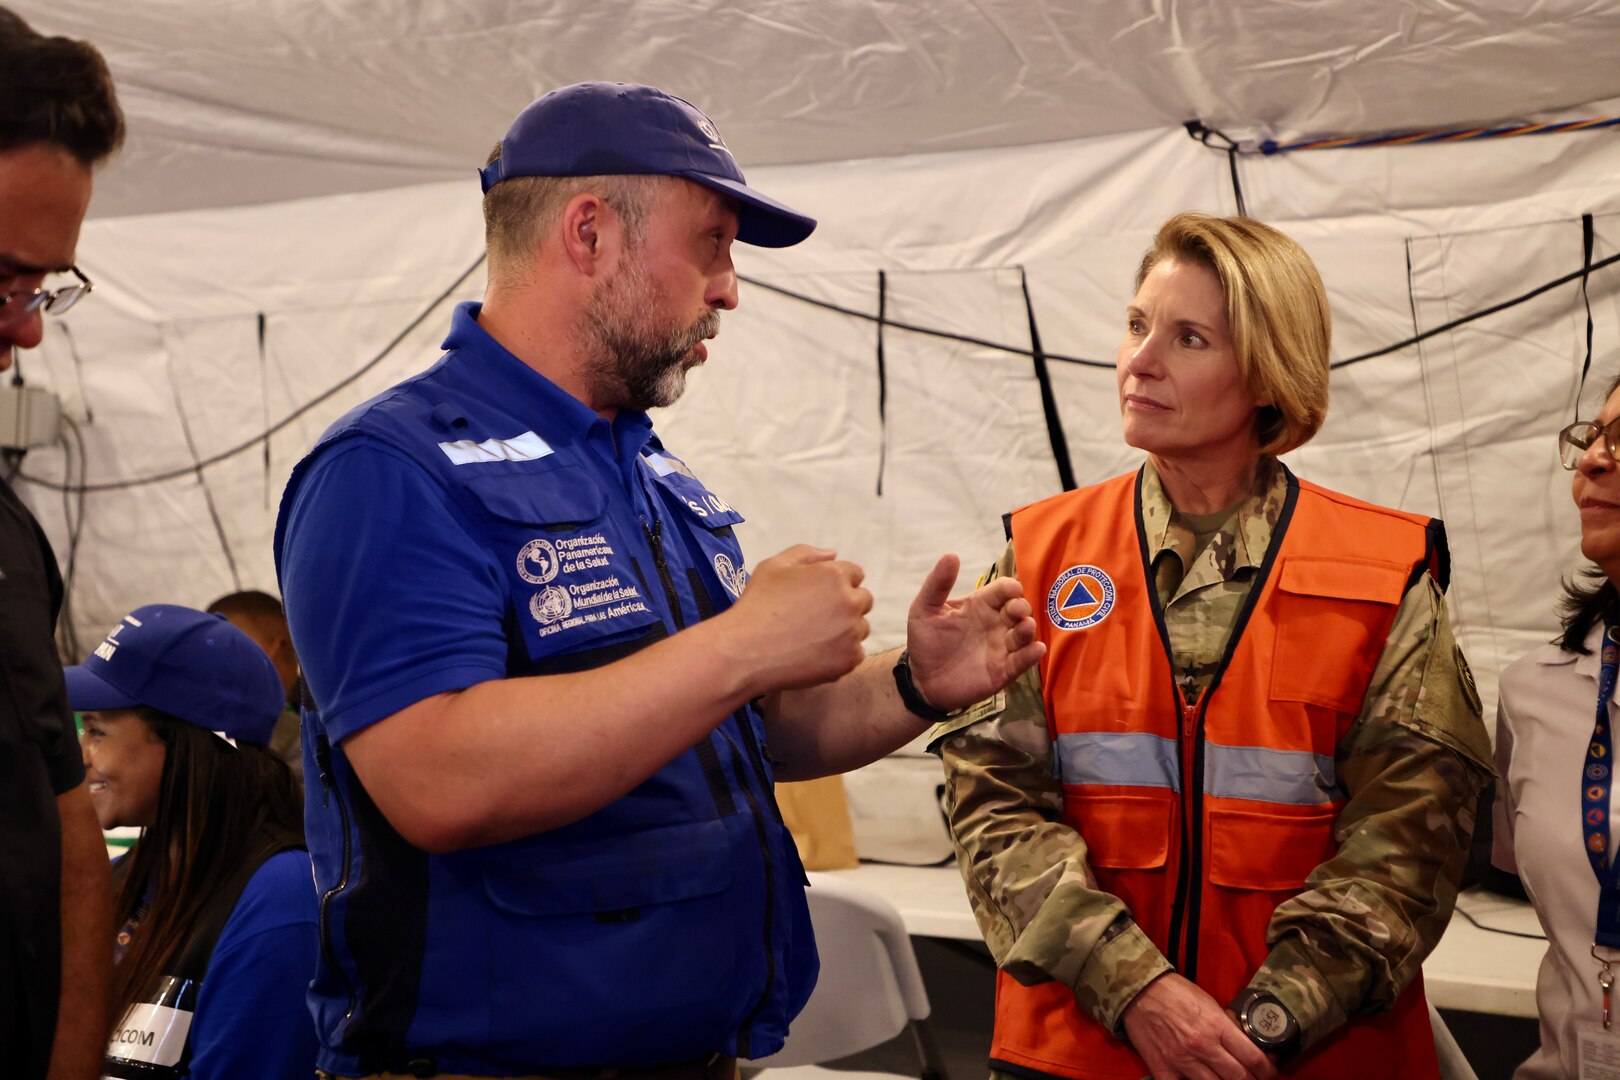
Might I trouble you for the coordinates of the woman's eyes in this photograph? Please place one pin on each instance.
(1187, 338)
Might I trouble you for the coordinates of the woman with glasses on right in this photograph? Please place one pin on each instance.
(1554, 752)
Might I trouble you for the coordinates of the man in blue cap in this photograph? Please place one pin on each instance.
(545, 715)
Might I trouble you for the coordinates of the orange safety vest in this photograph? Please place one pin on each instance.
(1203, 819)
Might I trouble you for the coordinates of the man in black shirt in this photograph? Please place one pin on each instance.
(58, 118)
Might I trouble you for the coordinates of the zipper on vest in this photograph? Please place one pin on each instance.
(323, 763)
(1184, 911)
(1193, 715)
(756, 759)
(763, 836)
(655, 537)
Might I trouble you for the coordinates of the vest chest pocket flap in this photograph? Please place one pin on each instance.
(1332, 617)
(569, 566)
(552, 497)
(601, 874)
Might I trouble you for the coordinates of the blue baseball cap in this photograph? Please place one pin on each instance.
(623, 129)
(194, 666)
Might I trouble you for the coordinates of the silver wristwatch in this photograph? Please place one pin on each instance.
(1267, 1022)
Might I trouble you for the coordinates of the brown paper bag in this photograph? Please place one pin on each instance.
(818, 818)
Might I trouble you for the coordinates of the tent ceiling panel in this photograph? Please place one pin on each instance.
(242, 103)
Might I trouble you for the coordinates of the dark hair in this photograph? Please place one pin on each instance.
(1589, 596)
(56, 90)
(250, 602)
(218, 807)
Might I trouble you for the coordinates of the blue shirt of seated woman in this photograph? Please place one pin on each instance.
(217, 908)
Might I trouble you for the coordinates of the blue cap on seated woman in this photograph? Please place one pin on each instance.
(191, 665)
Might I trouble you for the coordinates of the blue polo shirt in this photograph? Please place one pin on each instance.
(400, 603)
(477, 522)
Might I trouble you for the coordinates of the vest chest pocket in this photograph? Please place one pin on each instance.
(1332, 616)
(608, 946)
(1268, 851)
(1123, 832)
(571, 575)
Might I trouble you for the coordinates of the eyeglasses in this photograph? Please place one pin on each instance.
(19, 305)
(1574, 440)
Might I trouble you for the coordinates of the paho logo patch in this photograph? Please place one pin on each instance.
(537, 562)
(732, 576)
(1082, 596)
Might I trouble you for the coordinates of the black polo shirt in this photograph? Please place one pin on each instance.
(39, 760)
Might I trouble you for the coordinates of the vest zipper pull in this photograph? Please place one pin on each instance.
(1189, 709)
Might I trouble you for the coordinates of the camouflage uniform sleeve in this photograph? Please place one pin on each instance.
(1034, 897)
(1413, 764)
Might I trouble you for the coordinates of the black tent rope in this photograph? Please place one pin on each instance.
(912, 328)
(225, 455)
(1492, 310)
(1016, 350)
(74, 520)
(816, 302)
(1049, 406)
(202, 481)
(264, 404)
(1228, 145)
(1586, 272)
(883, 381)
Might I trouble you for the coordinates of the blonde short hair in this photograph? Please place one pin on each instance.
(1278, 313)
(519, 210)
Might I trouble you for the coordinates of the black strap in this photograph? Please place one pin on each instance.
(1586, 272)
(1437, 557)
(264, 403)
(1043, 376)
(883, 379)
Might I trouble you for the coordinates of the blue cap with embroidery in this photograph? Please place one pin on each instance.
(191, 665)
(623, 129)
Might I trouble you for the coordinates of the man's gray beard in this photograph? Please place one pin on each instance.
(639, 366)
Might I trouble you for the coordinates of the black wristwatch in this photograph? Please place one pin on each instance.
(910, 696)
(1267, 1022)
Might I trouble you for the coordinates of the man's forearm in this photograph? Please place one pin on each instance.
(840, 725)
(81, 1020)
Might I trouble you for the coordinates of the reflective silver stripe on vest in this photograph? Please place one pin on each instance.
(1128, 759)
(1294, 777)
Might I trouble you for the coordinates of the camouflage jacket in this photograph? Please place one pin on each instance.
(1413, 764)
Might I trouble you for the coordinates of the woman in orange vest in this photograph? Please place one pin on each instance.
(1217, 830)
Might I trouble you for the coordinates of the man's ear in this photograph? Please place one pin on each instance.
(590, 230)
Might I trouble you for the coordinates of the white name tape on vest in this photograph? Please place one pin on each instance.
(155, 1034)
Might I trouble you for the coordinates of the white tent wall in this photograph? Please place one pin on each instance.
(164, 367)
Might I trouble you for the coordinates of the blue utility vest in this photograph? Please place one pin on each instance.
(666, 926)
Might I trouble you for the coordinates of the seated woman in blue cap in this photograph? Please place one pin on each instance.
(216, 902)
